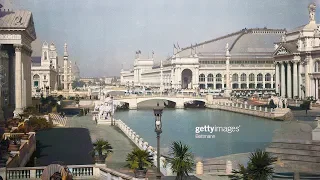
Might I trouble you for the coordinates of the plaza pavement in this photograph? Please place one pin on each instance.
(120, 143)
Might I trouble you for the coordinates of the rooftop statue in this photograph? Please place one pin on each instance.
(312, 10)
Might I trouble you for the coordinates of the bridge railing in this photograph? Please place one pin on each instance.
(159, 95)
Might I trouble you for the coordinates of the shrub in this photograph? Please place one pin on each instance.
(39, 123)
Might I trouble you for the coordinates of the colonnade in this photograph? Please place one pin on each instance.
(296, 78)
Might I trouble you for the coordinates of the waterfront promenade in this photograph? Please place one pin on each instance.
(121, 145)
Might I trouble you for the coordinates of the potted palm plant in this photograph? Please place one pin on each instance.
(101, 149)
(139, 160)
(259, 167)
(181, 159)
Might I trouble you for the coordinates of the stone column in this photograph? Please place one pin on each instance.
(317, 89)
(277, 85)
(307, 78)
(283, 80)
(271, 81)
(206, 81)
(263, 81)
(18, 81)
(247, 76)
(295, 79)
(300, 80)
(214, 81)
(256, 81)
(228, 88)
(289, 86)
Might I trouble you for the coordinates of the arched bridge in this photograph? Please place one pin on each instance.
(180, 101)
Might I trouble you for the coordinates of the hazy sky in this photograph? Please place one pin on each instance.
(103, 34)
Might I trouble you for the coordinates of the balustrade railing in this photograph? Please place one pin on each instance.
(165, 168)
(78, 172)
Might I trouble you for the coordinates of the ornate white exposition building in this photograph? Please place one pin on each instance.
(250, 59)
(239, 61)
(16, 34)
(48, 74)
(297, 60)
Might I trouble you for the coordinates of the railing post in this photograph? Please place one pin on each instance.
(199, 168)
(33, 173)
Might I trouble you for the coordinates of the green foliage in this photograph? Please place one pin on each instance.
(60, 97)
(305, 104)
(101, 147)
(271, 104)
(259, 167)
(139, 159)
(181, 160)
(76, 84)
(39, 123)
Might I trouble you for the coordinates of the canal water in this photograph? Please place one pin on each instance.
(232, 133)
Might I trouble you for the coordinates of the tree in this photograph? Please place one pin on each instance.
(259, 167)
(181, 160)
(101, 148)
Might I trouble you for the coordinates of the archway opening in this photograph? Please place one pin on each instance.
(152, 103)
(186, 79)
(195, 104)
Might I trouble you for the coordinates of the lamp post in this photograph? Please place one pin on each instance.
(158, 129)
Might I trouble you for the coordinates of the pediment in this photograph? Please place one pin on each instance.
(281, 50)
(30, 28)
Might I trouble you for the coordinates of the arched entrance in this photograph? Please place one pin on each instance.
(186, 79)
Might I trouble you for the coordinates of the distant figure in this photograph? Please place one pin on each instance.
(306, 110)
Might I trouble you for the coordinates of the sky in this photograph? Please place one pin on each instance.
(104, 34)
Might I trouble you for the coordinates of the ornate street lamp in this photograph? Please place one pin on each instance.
(158, 129)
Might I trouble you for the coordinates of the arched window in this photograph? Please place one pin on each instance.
(267, 77)
(260, 77)
(251, 77)
(202, 78)
(210, 77)
(235, 77)
(243, 77)
(45, 55)
(36, 79)
(218, 77)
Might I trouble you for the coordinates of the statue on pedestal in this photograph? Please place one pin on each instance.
(280, 105)
(312, 11)
(285, 102)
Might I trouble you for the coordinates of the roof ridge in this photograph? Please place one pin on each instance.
(213, 40)
(236, 40)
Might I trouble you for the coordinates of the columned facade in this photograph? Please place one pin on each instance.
(297, 56)
(15, 71)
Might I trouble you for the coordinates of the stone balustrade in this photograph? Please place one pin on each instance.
(248, 109)
(165, 168)
(78, 172)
